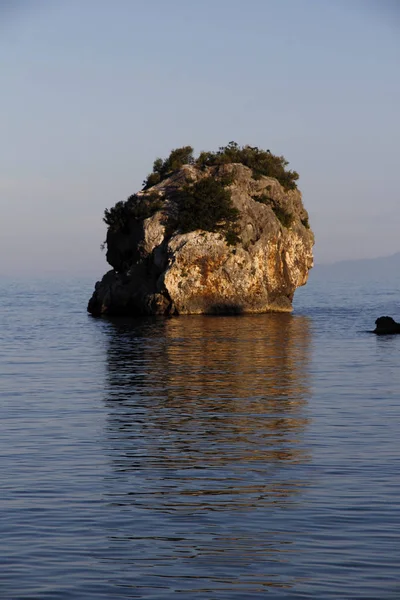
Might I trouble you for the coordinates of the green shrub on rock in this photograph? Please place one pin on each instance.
(286, 218)
(116, 217)
(262, 162)
(205, 205)
(135, 207)
(163, 168)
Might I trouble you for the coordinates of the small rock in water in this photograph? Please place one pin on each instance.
(386, 325)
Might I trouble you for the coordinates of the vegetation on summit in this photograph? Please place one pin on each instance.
(164, 168)
(261, 162)
(205, 204)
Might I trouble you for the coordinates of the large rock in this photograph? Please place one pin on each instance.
(159, 271)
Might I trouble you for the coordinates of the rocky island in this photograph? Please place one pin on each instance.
(226, 232)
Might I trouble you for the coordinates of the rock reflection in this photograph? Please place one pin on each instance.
(211, 409)
(206, 419)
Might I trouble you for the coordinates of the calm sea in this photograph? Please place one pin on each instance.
(199, 457)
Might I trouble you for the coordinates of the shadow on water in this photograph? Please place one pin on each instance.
(206, 418)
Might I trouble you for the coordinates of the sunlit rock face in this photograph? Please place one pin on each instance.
(157, 270)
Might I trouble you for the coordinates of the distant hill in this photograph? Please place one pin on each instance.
(366, 268)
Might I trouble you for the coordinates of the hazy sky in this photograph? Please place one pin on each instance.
(93, 90)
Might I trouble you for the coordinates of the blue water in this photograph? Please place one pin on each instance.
(199, 457)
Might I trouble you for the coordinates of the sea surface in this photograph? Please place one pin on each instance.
(210, 458)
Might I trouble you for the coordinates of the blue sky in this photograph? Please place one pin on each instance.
(92, 91)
